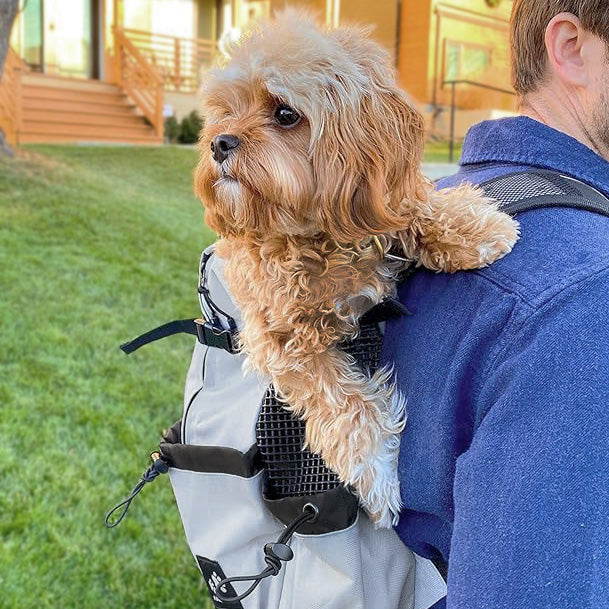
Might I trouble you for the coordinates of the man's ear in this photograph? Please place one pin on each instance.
(566, 44)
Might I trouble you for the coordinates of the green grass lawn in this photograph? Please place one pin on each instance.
(437, 151)
(97, 244)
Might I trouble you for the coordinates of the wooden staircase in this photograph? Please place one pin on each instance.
(69, 110)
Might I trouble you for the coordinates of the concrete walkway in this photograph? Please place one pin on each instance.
(435, 171)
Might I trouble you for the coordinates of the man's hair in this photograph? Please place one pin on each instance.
(530, 19)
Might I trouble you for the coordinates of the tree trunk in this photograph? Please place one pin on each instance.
(8, 12)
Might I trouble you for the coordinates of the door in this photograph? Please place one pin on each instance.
(60, 37)
(68, 38)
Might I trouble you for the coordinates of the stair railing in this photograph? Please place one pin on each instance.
(453, 106)
(10, 97)
(179, 61)
(140, 81)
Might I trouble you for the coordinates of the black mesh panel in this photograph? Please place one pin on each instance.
(516, 187)
(292, 471)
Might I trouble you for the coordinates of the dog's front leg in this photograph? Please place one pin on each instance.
(353, 421)
(458, 229)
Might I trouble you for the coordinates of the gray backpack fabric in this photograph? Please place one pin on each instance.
(240, 477)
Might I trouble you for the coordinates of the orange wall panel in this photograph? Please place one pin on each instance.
(471, 22)
(317, 7)
(382, 14)
(414, 48)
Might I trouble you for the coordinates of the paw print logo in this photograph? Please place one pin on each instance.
(214, 580)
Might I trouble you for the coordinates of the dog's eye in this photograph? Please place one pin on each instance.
(286, 116)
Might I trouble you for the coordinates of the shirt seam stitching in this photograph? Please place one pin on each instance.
(509, 329)
(539, 299)
(510, 288)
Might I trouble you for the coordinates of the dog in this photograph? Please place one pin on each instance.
(309, 171)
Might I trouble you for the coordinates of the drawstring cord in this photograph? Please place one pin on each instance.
(213, 307)
(159, 466)
(274, 555)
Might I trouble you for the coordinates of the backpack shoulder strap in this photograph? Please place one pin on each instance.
(527, 190)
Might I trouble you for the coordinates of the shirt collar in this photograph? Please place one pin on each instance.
(524, 141)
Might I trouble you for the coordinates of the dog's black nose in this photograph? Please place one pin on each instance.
(221, 145)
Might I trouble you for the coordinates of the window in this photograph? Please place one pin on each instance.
(465, 61)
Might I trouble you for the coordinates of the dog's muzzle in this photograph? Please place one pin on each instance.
(221, 146)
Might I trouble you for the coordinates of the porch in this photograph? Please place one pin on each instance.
(78, 72)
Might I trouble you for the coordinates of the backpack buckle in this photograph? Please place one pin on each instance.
(214, 336)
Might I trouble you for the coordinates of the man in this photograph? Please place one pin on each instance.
(504, 463)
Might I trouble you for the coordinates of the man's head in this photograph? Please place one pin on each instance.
(530, 19)
(560, 61)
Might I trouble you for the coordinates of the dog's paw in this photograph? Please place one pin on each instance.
(501, 241)
(384, 509)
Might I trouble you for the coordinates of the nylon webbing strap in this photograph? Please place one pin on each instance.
(540, 189)
(211, 335)
(206, 333)
(177, 326)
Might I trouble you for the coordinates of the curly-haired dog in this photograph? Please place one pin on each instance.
(310, 173)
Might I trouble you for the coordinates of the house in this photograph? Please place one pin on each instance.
(108, 70)
(435, 42)
(458, 41)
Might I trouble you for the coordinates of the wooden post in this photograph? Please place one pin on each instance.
(451, 156)
(233, 14)
(160, 127)
(332, 13)
(117, 59)
(118, 13)
(176, 64)
(18, 104)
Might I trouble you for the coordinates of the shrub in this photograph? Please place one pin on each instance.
(172, 129)
(190, 128)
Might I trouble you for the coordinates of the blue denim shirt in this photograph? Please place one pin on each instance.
(504, 463)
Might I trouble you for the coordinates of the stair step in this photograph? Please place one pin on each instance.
(98, 97)
(37, 138)
(59, 109)
(89, 132)
(69, 84)
(82, 117)
(123, 107)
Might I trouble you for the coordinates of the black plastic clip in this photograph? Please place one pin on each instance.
(215, 336)
(274, 555)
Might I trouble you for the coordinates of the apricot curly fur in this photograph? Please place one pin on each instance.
(296, 209)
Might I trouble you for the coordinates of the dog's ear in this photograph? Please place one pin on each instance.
(367, 155)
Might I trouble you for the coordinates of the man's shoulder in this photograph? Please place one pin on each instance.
(557, 247)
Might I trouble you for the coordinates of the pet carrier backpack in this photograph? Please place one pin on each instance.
(269, 525)
(256, 507)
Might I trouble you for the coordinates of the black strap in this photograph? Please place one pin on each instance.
(546, 201)
(214, 336)
(203, 290)
(177, 326)
(383, 311)
(206, 333)
(522, 191)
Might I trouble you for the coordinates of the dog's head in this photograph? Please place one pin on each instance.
(306, 132)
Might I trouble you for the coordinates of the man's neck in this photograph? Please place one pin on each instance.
(561, 111)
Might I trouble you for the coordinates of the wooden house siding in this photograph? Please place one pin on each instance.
(414, 48)
(381, 14)
(421, 34)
